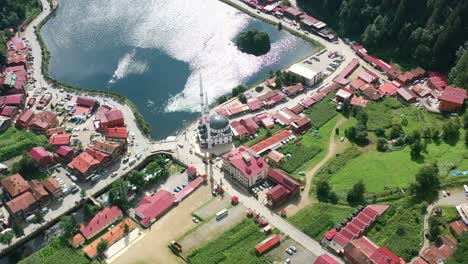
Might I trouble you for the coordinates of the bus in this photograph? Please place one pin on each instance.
(221, 214)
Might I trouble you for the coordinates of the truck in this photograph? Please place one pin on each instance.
(176, 246)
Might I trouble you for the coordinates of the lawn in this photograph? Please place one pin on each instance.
(322, 112)
(320, 141)
(14, 142)
(315, 220)
(57, 252)
(300, 155)
(234, 246)
(400, 229)
(379, 170)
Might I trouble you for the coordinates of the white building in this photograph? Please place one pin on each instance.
(214, 130)
(463, 211)
(311, 76)
(245, 166)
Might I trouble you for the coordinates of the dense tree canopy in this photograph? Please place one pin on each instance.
(412, 32)
(427, 183)
(254, 42)
(13, 13)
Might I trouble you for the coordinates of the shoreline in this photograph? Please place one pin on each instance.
(140, 120)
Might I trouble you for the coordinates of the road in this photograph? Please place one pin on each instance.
(457, 197)
(146, 147)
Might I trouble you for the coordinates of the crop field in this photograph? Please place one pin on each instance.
(234, 246)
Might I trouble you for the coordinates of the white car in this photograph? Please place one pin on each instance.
(138, 156)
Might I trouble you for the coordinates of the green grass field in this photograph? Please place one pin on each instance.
(322, 112)
(396, 169)
(234, 246)
(14, 142)
(400, 229)
(57, 252)
(315, 220)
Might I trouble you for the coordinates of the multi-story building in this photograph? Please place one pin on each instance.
(245, 166)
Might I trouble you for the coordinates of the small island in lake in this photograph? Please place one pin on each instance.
(253, 42)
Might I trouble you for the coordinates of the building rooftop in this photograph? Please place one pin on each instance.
(52, 185)
(101, 220)
(21, 202)
(246, 161)
(153, 206)
(60, 139)
(271, 142)
(15, 185)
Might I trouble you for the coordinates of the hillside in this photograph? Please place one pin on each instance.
(408, 32)
(12, 14)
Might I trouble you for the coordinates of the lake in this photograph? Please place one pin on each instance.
(153, 51)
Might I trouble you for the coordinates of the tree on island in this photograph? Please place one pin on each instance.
(254, 42)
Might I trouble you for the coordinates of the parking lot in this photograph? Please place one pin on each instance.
(284, 251)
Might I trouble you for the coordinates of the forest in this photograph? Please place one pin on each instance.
(12, 14)
(428, 33)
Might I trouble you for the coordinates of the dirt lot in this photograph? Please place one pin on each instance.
(213, 228)
(210, 209)
(153, 247)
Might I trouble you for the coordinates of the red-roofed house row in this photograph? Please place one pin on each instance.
(152, 207)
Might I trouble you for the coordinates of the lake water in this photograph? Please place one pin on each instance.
(152, 50)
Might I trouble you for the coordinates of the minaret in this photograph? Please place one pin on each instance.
(201, 101)
(207, 106)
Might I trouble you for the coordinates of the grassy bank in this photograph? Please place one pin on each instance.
(14, 142)
(143, 125)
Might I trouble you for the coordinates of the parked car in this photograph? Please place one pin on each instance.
(289, 251)
(293, 248)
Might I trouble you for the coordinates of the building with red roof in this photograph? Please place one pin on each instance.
(374, 61)
(60, 139)
(86, 102)
(363, 250)
(292, 13)
(15, 185)
(371, 93)
(268, 244)
(421, 91)
(250, 124)
(54, 188)
(152, 207)
(406, 95)
(367, 76)
(358, 101)
(301, 125)
(458, 227)
(405, 78)
(116, 134)
(307, 102)
(9, 111)
(452, 99)
(65, 153)
(297, 108)
(16, 100)
(39, 192)
(285, 117)
(15, 79)
(344, 94)
(354, 228)
(43, 157)
(272, 142)
(109, 118)
(245, 166)
(266, 120)
(238, 130)
(285, 188)
(293, 90)
(440, 251)
(277, 195)
(388, 89)
(187, 190)
(55, 130)
(271, 98)
(103, 158)
(348, 70)
(254, 104)
(437, 81)
(100, 221)
(325, 259)
(43, 121)
(24, 118)
(84, 164)
(22, 205)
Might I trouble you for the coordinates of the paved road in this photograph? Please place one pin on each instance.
(456, 198)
